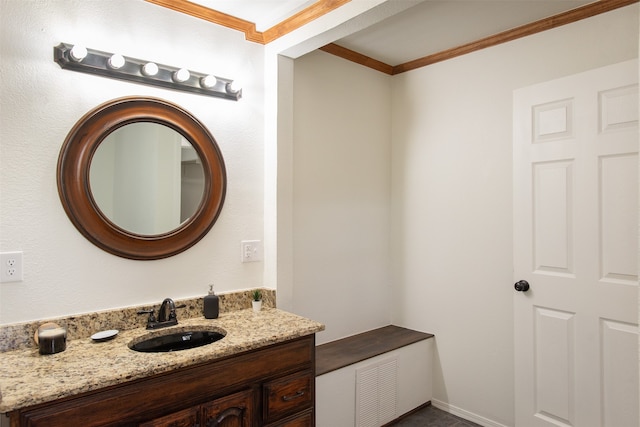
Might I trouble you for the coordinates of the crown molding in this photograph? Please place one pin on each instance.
(357, 57)
(322, 7)
(315, 11)
(305, 16)
(577, 14)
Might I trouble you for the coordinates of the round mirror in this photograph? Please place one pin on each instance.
(146, 178)
(141, 178)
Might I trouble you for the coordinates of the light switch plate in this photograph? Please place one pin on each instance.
(251, 250)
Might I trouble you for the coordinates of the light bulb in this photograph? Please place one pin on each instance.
(116, 61)
(150, 69)
(208, 82)
(182, 75)
(234, 87)
(78, 53)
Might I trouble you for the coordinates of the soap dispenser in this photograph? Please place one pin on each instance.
(211, 305)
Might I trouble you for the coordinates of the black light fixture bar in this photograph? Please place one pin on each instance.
(109, 65)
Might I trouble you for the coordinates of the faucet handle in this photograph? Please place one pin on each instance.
(152, 317)
(172, 313)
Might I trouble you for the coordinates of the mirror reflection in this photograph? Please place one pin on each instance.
(147, 178)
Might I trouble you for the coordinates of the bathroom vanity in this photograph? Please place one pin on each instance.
(261, 374)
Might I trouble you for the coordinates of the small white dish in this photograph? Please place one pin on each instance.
(104, 335)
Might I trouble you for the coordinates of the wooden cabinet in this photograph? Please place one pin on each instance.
(235, 410)
(273, 386)
(305, 419)
(287, 395)
(186, 418)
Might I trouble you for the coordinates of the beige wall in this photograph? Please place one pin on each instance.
(341, 195)
(64, 273)
(452, 196)
(450, 199)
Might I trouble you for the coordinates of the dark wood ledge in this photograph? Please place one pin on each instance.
(347, 351)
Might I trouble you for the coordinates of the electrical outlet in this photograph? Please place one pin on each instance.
(251, 250)
(11, 267)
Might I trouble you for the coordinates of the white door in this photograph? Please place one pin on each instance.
(576, 244)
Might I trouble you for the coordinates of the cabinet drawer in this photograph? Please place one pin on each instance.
(304, 419)
(287, 395)
(185, 418)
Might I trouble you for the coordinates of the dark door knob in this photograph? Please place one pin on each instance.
(521, 286)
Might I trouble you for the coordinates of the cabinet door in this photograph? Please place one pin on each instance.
(185, 418)
(235, 410)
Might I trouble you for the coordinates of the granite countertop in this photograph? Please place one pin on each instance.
(28, 378)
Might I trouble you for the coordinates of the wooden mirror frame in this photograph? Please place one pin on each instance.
(75, 191)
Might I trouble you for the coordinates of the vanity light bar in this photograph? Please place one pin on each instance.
(116, 66)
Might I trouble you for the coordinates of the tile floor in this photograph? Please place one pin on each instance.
(433, 417)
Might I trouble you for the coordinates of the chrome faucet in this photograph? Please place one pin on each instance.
(166, 315)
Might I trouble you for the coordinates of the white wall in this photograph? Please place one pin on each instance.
(452, 195)
(64, 273)
(341, 195)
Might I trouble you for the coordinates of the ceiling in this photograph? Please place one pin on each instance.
(433, 26)
(264, 13)
(428, 27)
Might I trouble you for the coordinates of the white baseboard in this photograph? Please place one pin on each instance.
(485, 422)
